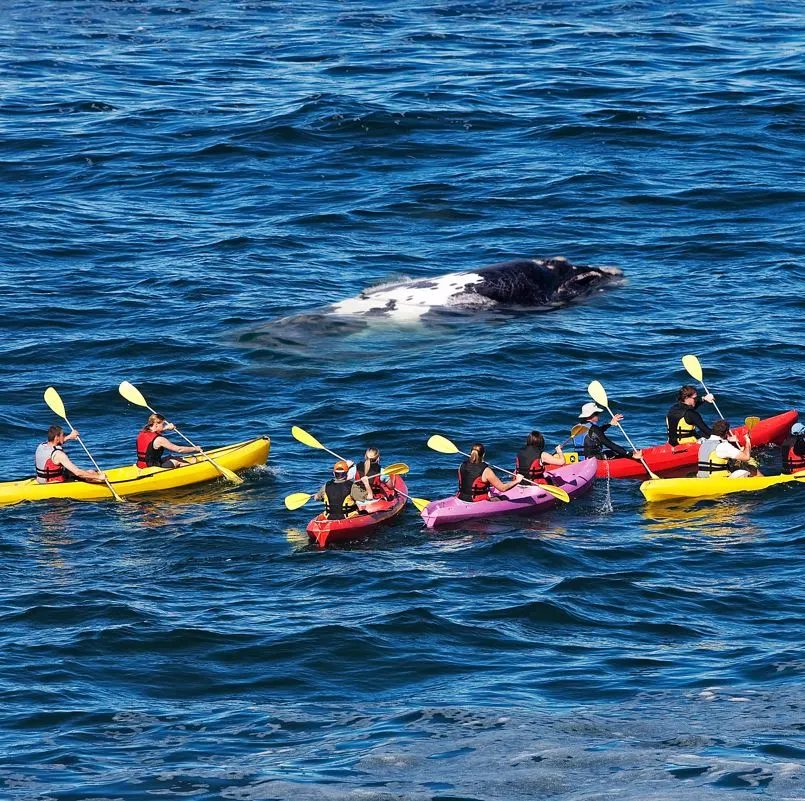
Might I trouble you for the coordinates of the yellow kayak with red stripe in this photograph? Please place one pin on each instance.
(132, 480)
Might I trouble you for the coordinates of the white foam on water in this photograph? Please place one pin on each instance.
(409, 300)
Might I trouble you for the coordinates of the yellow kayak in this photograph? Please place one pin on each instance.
(133, 480)
(667, 489)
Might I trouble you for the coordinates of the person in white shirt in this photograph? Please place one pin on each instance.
(721, 448)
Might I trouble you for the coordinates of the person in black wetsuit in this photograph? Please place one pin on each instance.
(341, 494)
(794, 450)
(596, 443)
(684, 423)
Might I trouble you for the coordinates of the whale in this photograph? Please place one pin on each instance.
(521, 283)
(518, 285)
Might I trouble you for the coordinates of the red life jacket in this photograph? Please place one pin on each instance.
(51, 472)
(792, 462)
(528, 462)
(471, 486)
(147, 454)
(372, 471)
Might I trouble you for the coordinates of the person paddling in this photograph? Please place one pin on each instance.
(684, 423)
(341, 494)
(475, 477)
(793, 448)
(54, 466)
(596, 444)
(368, 473)
(531, 460)
(151, 445)
(721, 448)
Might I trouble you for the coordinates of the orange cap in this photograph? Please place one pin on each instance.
(340, 467)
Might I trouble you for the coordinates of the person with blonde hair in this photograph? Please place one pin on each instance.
(151, 445)
(368, 472)
(475, 477)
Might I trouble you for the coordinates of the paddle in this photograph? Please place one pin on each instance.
(133, 395)
(599, 395)
(750, 423)
(56, 405)
(443, 445)
(693, 366)
(302, 436)
(574, 432)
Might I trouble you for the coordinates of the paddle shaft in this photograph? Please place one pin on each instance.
(707, 392)
(86, 450)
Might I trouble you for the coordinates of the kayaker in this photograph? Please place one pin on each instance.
(531, 460)
(794, 450)
(368, 473)
(151, 445)
(721, 448)
(683, 422)
(596, 443)
(53, 465)
(341, 494)
(475, 477)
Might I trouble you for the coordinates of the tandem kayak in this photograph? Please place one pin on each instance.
(667, 458)
(575, 479)
(325, 531)
(672, 489)
(133, 480)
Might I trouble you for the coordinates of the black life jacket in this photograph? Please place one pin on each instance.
(680, 431)
(591, 445)
(147, 454)
(338, 502)
(46, 469)
(792, 462)
(372, 471)
(528, 462)
(471, 487)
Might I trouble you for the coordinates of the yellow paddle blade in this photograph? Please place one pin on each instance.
(579, 429)
(557, 492)
(228, 474)
(693, 366)
(132, 394)
(421, 503)
(396, 469)
(306, 439)
(598, 393)
(441, 444)
(296, 500)
(53, 400)
(751, 422)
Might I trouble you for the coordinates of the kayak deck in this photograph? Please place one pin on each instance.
(132, 480)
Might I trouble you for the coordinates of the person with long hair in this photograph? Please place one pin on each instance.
(151, 445)
(531, 459)
(475, 477)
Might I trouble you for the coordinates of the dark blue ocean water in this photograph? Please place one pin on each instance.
(178, 176)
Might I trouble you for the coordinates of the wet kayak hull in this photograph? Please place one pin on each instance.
(575, 479)
(674, 489)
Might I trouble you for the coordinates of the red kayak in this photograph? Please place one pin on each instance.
(325, 531)
(668, 458)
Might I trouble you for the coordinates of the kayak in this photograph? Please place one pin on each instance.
(133, 480)
(575, 479)
(324, 531)
(667, 458)
(668, 489)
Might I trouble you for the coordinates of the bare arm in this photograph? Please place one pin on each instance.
(61, 458)
(163, 442)
(550, 458)
(489, 476)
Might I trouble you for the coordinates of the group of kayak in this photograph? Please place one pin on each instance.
(362, 495)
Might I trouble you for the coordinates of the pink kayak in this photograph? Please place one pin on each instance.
(574, 479)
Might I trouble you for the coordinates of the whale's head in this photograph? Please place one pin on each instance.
(538, 282)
